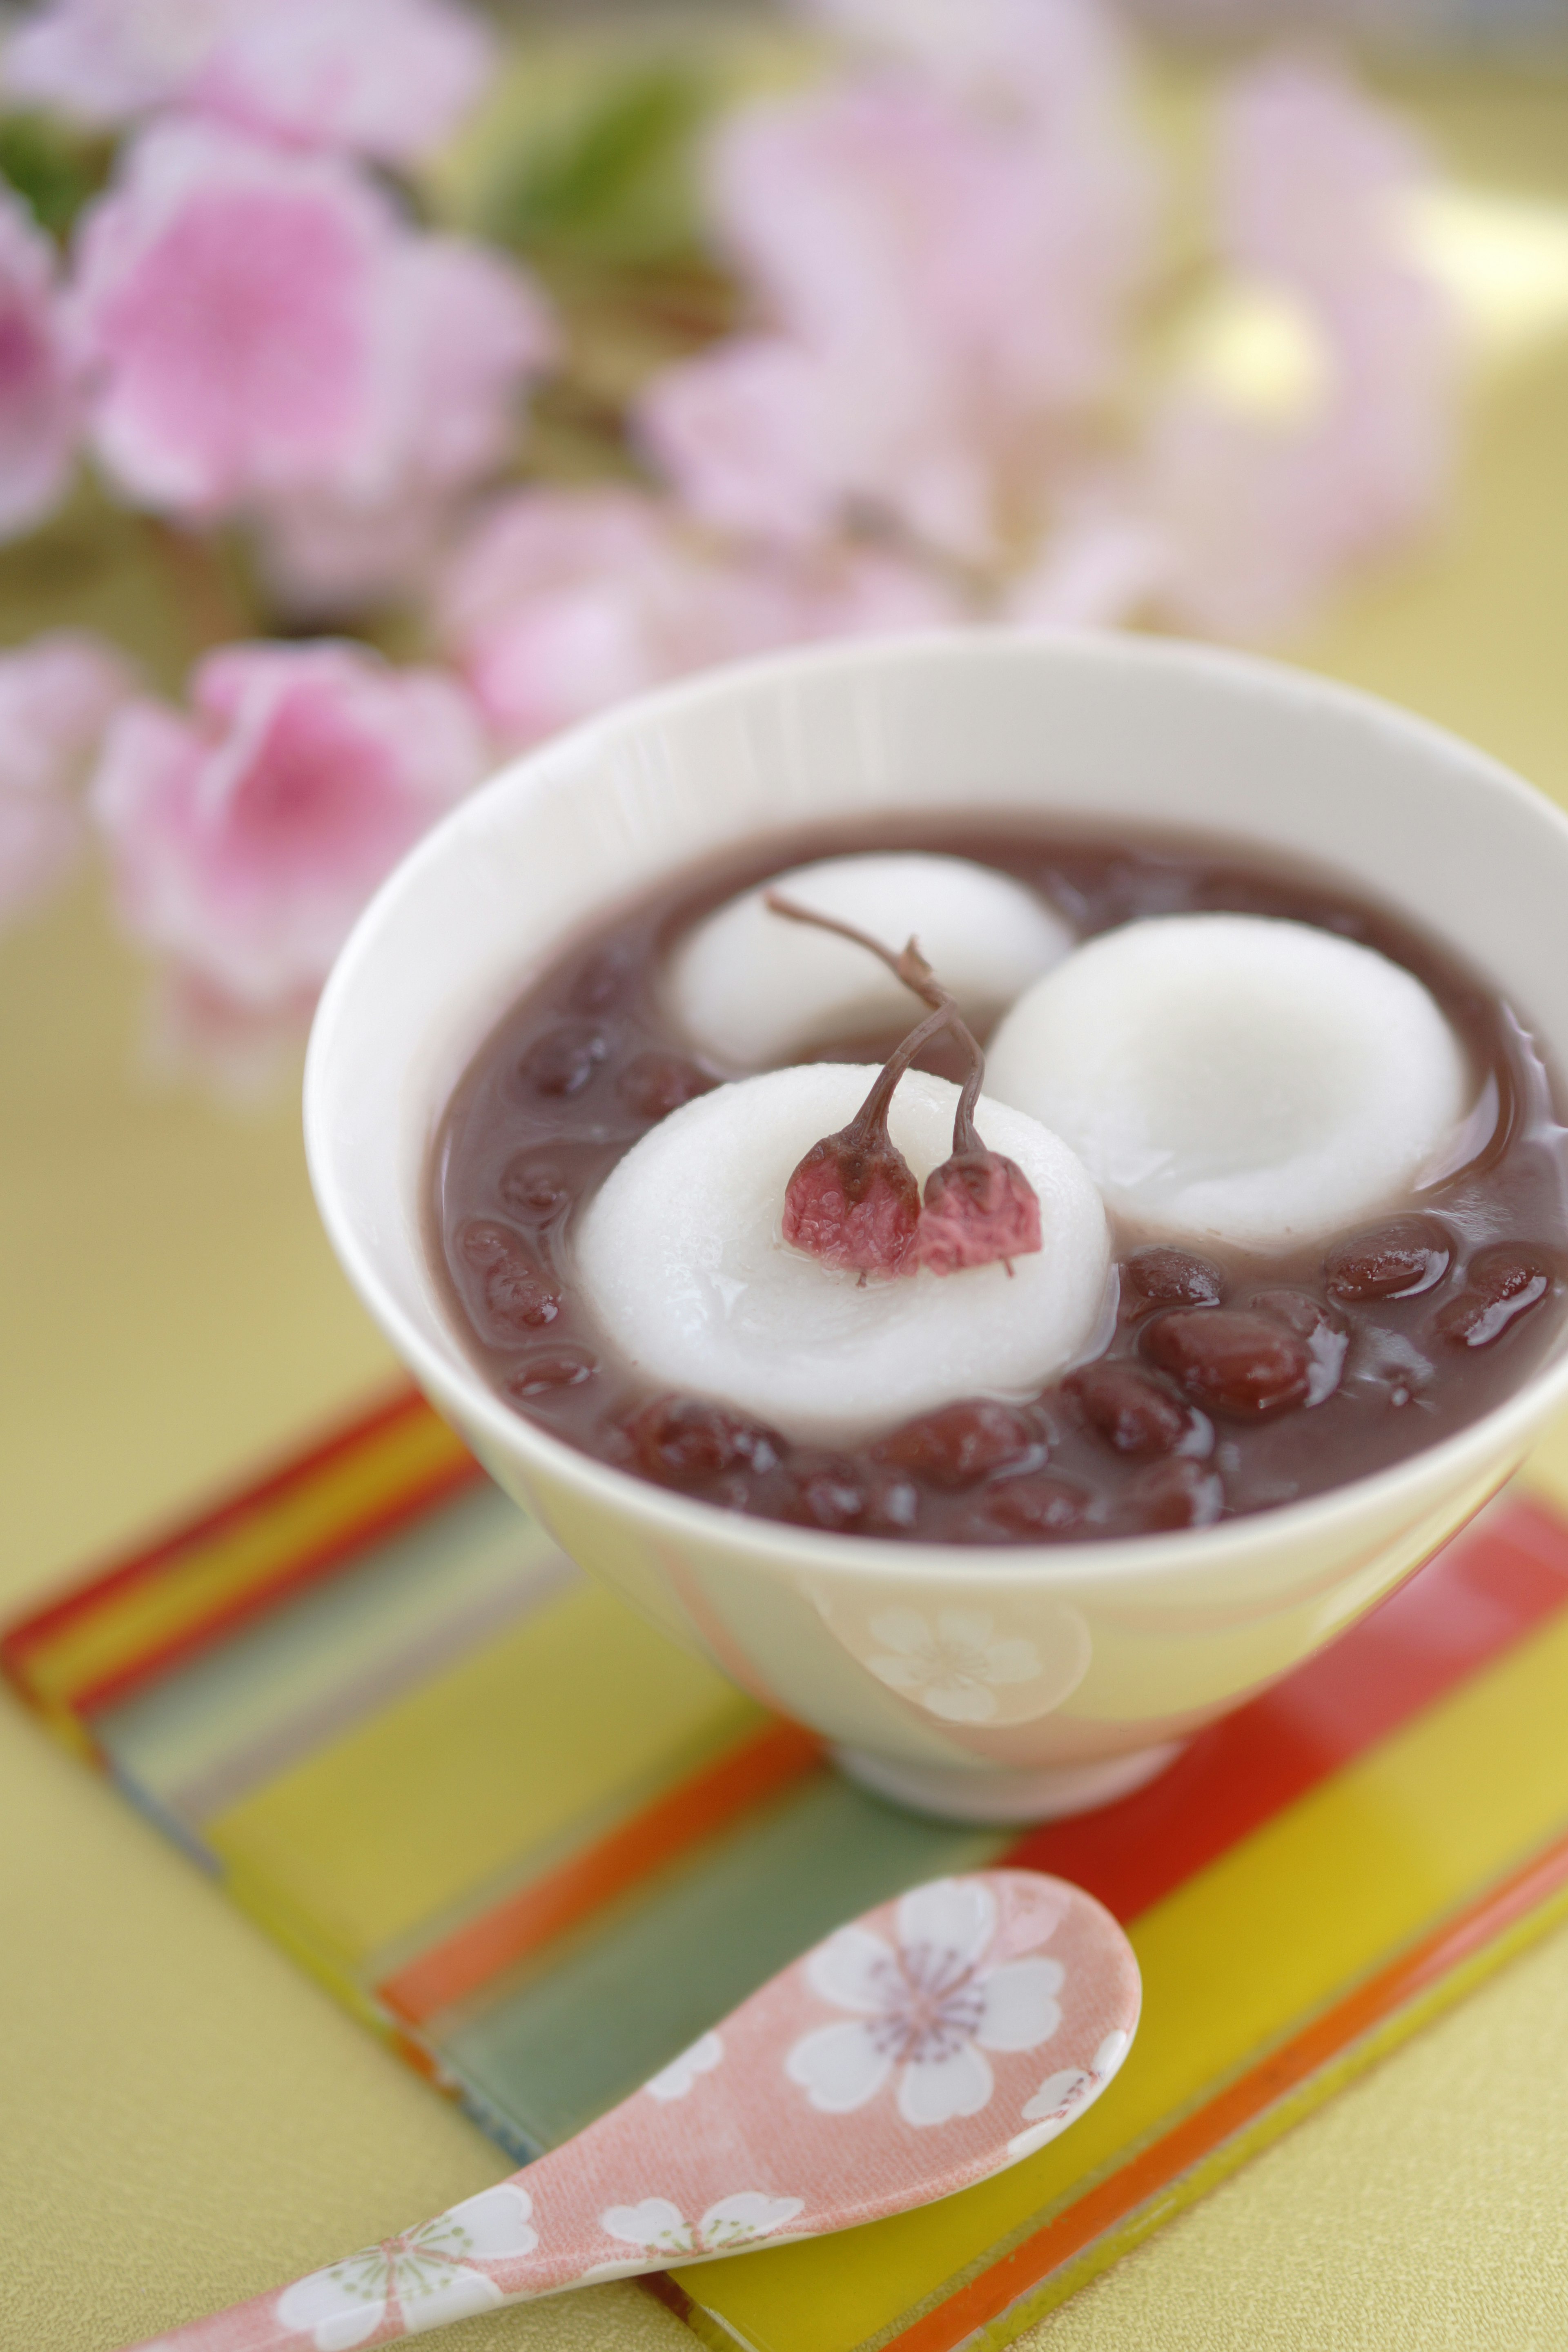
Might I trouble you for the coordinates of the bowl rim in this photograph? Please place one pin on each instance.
(1452, 1463)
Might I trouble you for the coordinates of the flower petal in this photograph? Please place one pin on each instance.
(900, 1628)
(736, 2219)
(969, 1628)
(1055, 2093)
(854, 1970)
(958, 2085)
(496, 2222)
(1111, 2054)
(335, 2306)
(458, 2296)
(1021, 2007)
(674, 2081)
(655, 2222)
(901, 1674)
(958, 1699)
(839, 2066)
(1012, 1660)
(957, 1914)
(1040, 2135)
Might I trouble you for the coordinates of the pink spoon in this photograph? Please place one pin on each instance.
(939, 2039)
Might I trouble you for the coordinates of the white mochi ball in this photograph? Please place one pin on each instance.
(750, 987)
(1233, 1077)
(681, 1258)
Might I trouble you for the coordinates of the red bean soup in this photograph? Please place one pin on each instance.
(1232, 1381)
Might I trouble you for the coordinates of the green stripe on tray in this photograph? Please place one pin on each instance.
(239, 1715)
(607, 2005)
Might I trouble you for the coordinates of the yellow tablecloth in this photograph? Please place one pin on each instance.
(183, 2119)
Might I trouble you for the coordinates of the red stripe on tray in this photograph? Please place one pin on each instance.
(1416, 1971)
(259, 1599)
(477, 1953)
(88, 1594)
(1472, 1601)
(26, 1648)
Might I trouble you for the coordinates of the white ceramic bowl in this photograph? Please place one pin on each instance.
(1135, 1642)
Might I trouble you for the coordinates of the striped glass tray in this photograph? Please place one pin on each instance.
(538, 1848)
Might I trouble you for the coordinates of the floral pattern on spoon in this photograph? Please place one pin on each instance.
(940, 2038)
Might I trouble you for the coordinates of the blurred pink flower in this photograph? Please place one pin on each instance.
(462, 330)
(195, 1033)
(106, 61)
(246, 836)
(1102, 563)
(326, 559)
(1261, 515)
(1042, 53)
(757, 436)
(387, 78)
(945, 258)
(57, 696)
(562, 601)
(260, 324)
(40, 405)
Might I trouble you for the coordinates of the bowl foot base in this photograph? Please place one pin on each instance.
(955, 1793)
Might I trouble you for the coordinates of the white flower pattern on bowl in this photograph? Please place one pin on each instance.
(423, 2277)
(929, 2008)
(955, 1669)
(1061, 2097)
(733, 2221)
(674, 2081)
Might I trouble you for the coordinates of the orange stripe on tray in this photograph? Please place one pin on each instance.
(1151, 2174)
(477, 1953)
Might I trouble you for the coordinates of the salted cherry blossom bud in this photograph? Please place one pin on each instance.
(854, 1202)
(978, 1207)
(849, 1200)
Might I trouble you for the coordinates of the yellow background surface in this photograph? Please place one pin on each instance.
(184, 2118)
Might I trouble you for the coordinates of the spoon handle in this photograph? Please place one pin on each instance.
(474, 2257)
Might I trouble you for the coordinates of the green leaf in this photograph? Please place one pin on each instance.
(55, 170)
(612, 182)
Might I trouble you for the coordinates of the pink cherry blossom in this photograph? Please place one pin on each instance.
(194, 1033)
(40, 406)
(247, 836)
(326, 559)
(561, 602)
(386, 78)
(758, 436)
(991, 47)
(945, 262)
(57, 696)
(1260, 514)
(261, 325)
(107, 61)
(460, 332)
